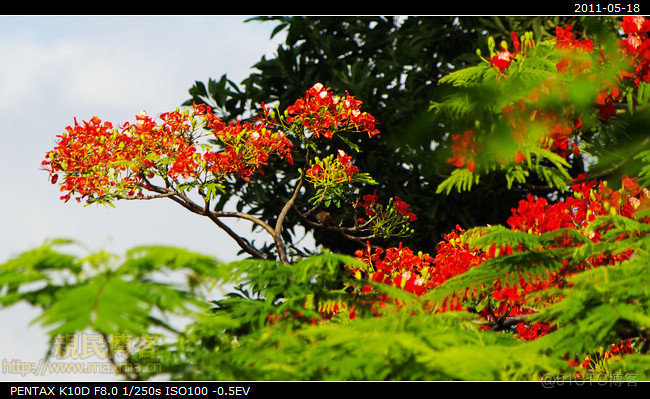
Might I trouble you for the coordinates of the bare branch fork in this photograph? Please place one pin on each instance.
(182, 199)
(275, 232)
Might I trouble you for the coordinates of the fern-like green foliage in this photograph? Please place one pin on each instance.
(398, 346)
(407, 342)
(270, 288)
(106, 294)
(271, 326)
(460, 179)
(644, 174)
(43, 265)
(605, 304)
(599, 306)
(474, 98)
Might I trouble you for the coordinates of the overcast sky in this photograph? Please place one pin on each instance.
(56, 68)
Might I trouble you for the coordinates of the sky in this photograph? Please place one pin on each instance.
(56, 68)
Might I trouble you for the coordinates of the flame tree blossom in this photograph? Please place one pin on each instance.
(507, 302)
(321, 113)
(184, 154)
(101, 162)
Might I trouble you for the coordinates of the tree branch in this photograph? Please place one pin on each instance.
(188, 204)
(111, 358)
(341, 231)
(277, 234)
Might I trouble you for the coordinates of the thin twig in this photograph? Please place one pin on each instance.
(277, 233)
(341, 231)
(116, 366)
(188, 204)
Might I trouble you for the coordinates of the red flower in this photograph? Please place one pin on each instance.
(370, 198)
(502, 60)
(519, 156)
(96, 160)
(346, 161)
(463, 149)
(322, 113)
(316, 172)
(635, 24)
(402, 207)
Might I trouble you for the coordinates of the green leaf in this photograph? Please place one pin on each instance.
(461, 179)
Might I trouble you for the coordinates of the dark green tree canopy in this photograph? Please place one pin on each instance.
(393, 65)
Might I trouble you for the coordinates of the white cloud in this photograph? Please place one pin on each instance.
(27, 67)
(124, 62)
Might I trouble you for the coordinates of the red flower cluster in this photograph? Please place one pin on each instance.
(247, 148)
(552, 130)
(346, 161)
(454, 257)
(464, 149)
(588, 201)
(400, 267)
(316, 173)
(622, 348)
(322, 113)
(535, 331)
(418, 274)
(615, 350)
(100, 161)
(396, 266)
(537, 216)
(525, 118)
(565, 40)
(529, 124)
(575, 61)
(330, 170)
(534, 215)
(368, 205)
(402, 207)
(637, 48)
(393, 218)
(605, 101)
(502, 59)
